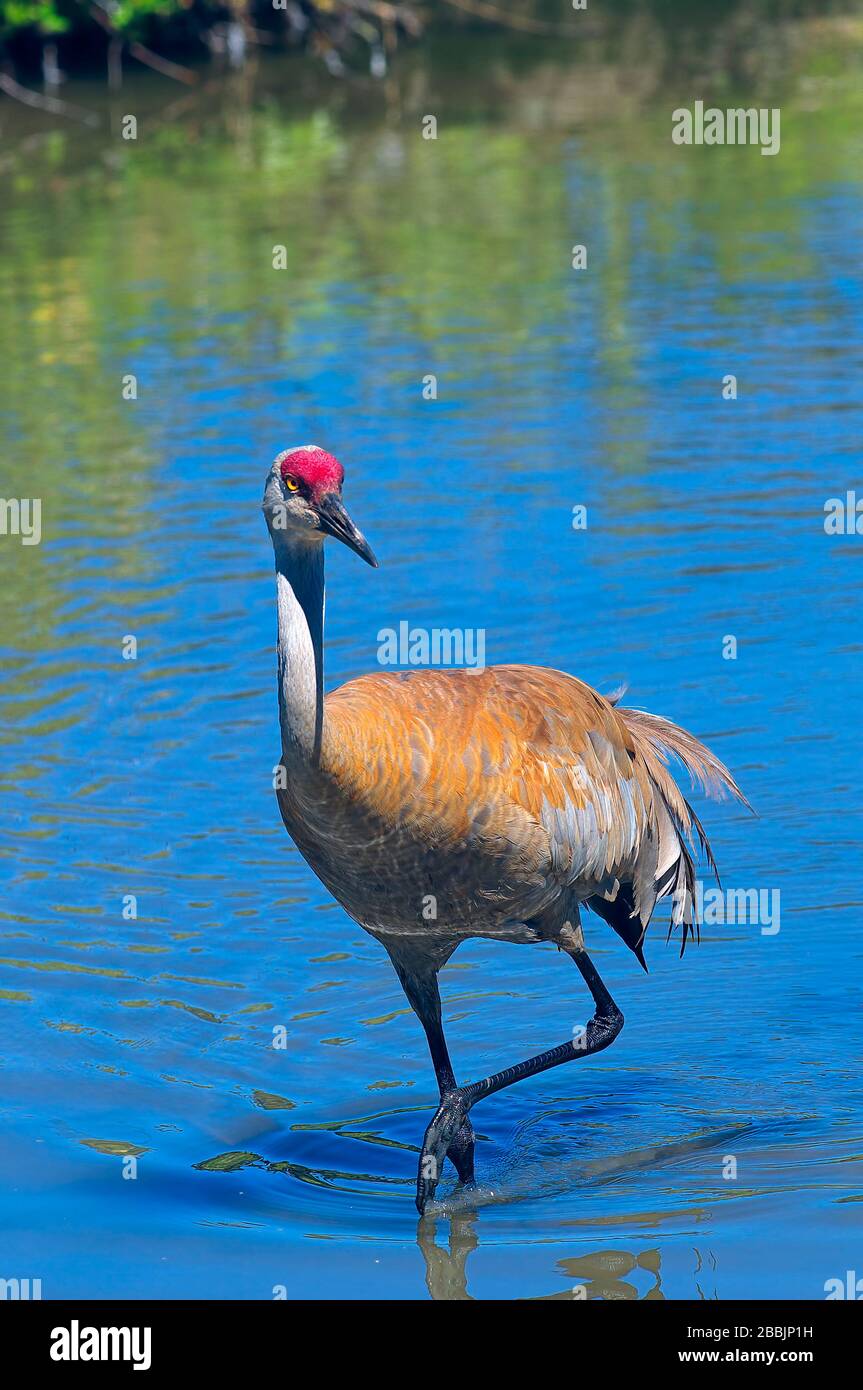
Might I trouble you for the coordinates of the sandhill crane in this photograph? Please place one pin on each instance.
(440, 805)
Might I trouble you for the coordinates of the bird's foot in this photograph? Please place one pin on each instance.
(450, 1134)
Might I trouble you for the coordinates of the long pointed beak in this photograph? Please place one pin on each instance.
(336, 522)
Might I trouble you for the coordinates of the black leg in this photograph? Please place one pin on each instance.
(452, 1112)
(418, 978)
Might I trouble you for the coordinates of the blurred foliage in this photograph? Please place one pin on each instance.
(44, 15)
(173, 22)
(50, 17)
(341, 23)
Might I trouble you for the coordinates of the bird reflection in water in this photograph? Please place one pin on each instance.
(600, 1275)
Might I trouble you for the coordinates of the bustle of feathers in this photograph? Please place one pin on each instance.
(657, 740)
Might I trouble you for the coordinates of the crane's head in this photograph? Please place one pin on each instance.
(303, 501)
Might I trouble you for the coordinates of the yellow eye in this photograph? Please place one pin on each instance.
(291, 484)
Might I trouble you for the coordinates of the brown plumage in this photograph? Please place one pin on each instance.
(500, 793)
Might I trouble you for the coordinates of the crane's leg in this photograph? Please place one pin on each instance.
(452, 1112)
(418, 975)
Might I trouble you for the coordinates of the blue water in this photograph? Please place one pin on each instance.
(152, 1037)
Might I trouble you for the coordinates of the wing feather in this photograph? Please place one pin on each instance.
(529, 784)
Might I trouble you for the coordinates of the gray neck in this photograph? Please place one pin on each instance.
(300, 600)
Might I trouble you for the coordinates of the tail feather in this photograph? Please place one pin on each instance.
(664, 739)
(616, 695)
(657, 740)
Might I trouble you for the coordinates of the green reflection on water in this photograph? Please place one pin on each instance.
(113, 249)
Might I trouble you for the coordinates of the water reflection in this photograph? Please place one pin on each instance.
(609, 1275)
(446, 1267)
